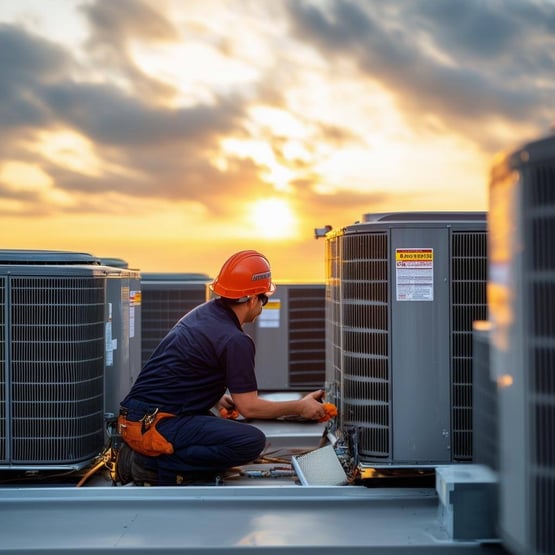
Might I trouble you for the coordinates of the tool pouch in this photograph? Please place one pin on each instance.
(142, 435)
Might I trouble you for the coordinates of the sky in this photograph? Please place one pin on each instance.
(172, 133)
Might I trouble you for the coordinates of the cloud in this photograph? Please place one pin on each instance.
(113, 26)
(464, 67)
(463, 61)
(167, 150)
(112, 117)
(25, 62)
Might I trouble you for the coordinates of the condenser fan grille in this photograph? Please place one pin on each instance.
(56, 380)
(468, 304)
(306, 337)
(365, 385)
(540, 225)
(3, 369)
(162, 306)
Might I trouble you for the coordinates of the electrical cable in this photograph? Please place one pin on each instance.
(90, 472)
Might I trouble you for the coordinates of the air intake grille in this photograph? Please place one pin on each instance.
(334, 353)
(306, 337)
(366, 364)
(468, 282)
(162, 306)
(541, 283)
(3, 405)
(485, 434)
(57, 369)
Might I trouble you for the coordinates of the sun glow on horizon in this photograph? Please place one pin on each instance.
(273, 218)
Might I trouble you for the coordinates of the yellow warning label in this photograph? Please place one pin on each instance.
(276, 304)
(410, 255)
(135, 298)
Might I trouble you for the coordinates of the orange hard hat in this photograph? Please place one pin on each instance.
(244, 274)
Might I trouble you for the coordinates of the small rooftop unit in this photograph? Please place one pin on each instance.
(52, 320)
(289, 336)
(402, 292)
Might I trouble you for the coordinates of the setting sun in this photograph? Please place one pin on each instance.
(273, 218)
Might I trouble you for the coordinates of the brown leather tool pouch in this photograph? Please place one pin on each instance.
(143, 437)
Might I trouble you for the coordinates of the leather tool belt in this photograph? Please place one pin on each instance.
(142, 436)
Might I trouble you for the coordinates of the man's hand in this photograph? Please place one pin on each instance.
(226, 402)
(226, 408)
(311, 406)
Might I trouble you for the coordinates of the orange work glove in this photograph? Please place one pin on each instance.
(229, 413)
(331, 412)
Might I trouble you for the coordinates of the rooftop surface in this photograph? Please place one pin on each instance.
(253, 511)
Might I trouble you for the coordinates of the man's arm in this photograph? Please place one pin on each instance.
(250, 405)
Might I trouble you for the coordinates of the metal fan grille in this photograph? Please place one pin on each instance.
(306, 336)
(162, 306)
(366, 363)
(540, 229)
(56, 404)
(468, 304)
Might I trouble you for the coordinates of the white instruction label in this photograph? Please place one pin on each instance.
(269, 317)
(414, 273)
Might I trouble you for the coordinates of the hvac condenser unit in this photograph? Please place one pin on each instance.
(521, 298)
(123, 331)
(289, 336)
(166, 297)
(52, 318)
(402, 292)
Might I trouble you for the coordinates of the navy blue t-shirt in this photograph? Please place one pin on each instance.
(203, 354)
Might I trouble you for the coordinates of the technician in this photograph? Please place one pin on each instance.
(170, 434)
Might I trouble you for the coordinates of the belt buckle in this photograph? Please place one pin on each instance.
(148, 419)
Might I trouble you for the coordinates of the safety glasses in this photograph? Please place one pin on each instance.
(263, 298)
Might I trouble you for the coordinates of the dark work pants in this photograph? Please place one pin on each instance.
(204, 443)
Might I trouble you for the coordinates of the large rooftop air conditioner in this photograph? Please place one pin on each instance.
(290, 338)
(521, 298)
(402, 292)
(123, 331)
(52, 319)
(166, 297)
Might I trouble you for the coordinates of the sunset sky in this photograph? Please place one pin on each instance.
(172, 133)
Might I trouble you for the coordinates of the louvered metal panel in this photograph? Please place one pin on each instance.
(3, 368)
(365, 395)
(289, 337)
(56, 369)
(485, 425)
(541, 282)
(468, 304)
(167, 297)
(333, 335)
(306, 346)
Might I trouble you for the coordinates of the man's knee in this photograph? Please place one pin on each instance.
(253, 442)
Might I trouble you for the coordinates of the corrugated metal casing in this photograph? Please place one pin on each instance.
(402, 293)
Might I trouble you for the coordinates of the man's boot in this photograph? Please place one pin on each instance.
(132, 467)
